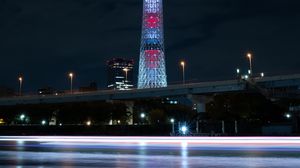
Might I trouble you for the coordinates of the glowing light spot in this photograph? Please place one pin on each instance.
(184, 144)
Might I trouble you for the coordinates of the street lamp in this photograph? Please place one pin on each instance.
(182, 63)
(172, 120)
(288, 116)
(250, 57)
(126, 73)
(20, 85)
(22, 117)
(88, 123)
(43, 122)
(71, 75)
(238, 73)
(143, 115)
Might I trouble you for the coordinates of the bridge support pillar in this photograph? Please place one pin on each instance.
(199, 102)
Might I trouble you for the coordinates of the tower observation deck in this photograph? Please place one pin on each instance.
(152, 68)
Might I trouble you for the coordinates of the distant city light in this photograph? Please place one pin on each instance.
(22, 116)
(288, 116)
(88, 123)
(143, 115)
(237, 71)
(262, 74)
(43, 122)
(172, 120)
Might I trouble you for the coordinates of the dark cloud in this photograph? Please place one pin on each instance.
(46, 39)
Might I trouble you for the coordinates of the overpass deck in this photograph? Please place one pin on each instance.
(170, 91)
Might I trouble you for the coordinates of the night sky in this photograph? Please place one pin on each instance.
(45, 39)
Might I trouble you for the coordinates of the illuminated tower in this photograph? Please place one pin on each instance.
(152, 69)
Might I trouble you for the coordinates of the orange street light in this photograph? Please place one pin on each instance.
(182, 63)
(250, 57)
(20, 85)
(126, 73)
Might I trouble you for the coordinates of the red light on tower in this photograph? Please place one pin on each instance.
(152, 58)
(152, 20)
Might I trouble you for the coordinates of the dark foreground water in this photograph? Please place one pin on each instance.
(59, 153)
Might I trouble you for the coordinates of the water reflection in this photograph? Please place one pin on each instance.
(152, 159)
(184, 156)
(22, 154)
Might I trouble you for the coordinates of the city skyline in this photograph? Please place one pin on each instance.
(44, 48)
(149, 83)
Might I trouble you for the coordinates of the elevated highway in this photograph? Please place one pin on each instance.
(268, 85)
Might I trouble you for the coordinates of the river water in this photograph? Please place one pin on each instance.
(64, 152)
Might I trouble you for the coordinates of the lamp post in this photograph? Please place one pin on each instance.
(20, 85)
(71, 75)
(238, 73)
(250, 57)
(126, 74)
(143, 115)
(182, 63)
(172, 120)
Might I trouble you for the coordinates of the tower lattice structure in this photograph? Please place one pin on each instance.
(152, 66)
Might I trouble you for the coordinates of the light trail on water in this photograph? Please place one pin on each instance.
(287, 143)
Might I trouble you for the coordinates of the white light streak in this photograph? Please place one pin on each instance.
(240, 142)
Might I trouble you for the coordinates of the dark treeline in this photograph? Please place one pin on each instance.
(250, 110)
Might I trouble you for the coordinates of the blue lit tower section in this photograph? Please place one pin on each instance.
(152, 69)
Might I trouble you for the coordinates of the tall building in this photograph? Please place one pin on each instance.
(120, 74)
(152, 69)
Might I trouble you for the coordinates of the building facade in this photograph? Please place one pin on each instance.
(120, 74)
